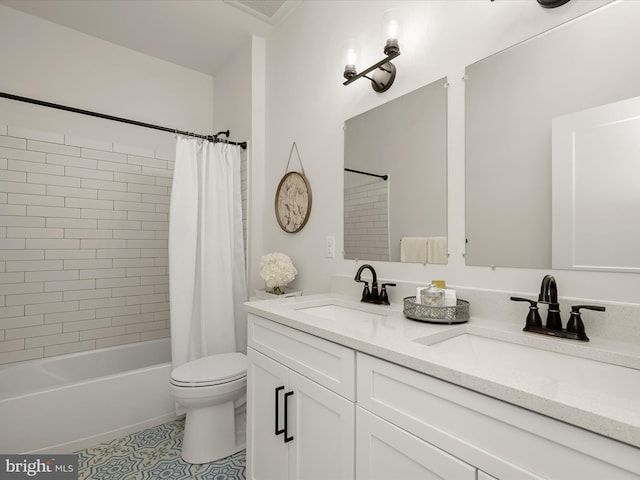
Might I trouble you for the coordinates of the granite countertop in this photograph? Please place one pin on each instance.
(601, 394)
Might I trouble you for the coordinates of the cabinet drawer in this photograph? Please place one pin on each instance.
(501, 439)
(384, 452)
(327, 363)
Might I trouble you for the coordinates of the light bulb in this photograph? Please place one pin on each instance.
(352, 56)
(350, 59)
(391, 30)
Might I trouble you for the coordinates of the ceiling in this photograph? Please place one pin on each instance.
(198, 34)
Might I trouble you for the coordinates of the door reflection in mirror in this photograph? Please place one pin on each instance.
(596, 188)
(511, 99)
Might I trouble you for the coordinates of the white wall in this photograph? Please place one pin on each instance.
(91, 271)
(232, 95)
(239, 107)
(53, 63)
(232, 112)
(307, 103)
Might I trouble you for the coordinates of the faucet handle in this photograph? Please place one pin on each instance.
(597, 308)
(575, 325)
(533, 317)
(522, 299)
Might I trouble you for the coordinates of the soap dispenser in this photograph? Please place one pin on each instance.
(575, 325)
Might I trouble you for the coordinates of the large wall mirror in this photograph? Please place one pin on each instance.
(512, 101)
(395, 179)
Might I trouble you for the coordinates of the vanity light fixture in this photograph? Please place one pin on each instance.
(382, 73)
(552, 3)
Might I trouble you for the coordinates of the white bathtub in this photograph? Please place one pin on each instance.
(66, 403)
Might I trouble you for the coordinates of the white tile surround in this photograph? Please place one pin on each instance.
(83, 243)
(366, 221)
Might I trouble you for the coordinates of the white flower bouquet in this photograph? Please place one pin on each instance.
(277, 270)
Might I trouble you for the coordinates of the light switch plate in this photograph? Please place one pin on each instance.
(330, 247)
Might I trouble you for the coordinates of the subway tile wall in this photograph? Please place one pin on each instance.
(366, 221)
(83, 243)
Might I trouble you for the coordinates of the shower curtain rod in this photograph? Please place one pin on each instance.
(211, 138)
(384, 177)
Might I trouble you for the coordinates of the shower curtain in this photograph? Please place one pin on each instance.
(206, 252)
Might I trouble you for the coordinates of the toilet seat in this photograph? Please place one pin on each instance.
(212, 370)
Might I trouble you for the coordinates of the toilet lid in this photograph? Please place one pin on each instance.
(215, 369)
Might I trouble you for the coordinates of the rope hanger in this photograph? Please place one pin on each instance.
(294, 146)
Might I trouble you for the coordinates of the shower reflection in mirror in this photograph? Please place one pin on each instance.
(406, 140)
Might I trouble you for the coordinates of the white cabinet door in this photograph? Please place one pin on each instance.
(297, 429)
(386, 452)
(267, 453)
(485, 476)
(324, 424)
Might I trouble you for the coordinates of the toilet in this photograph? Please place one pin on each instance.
(212, 391)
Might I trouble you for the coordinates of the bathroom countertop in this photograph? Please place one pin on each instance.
(608, 406)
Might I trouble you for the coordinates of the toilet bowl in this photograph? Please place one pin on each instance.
(211, 390)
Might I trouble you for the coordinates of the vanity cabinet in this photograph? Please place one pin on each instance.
(300, 405)
(501, 440)
(404, 425)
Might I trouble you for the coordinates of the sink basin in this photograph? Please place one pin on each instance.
(341, 313)
(552, 370)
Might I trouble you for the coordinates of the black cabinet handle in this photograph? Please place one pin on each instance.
(277, 430)
(287, 439)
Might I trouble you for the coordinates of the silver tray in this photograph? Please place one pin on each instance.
(425, 313)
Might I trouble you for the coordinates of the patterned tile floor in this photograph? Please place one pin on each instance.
(153, 454)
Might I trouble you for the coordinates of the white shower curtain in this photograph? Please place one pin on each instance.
(206, 252)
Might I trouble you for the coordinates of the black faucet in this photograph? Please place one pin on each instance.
(549, 295)
(372, 296)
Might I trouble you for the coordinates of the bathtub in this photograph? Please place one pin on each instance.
(70, 402)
